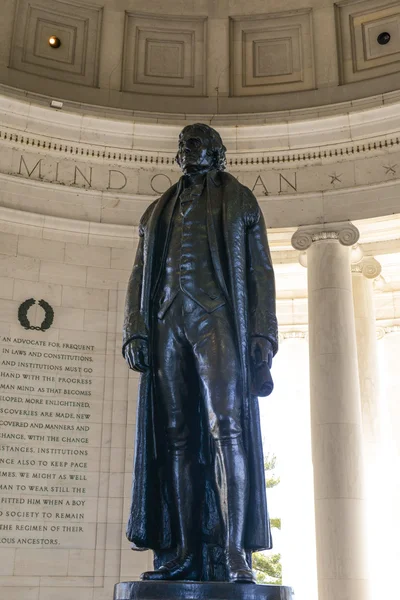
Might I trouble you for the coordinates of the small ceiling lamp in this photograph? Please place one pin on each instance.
(54, 41)
(383, 38)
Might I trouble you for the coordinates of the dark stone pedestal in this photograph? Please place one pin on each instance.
(186, 590)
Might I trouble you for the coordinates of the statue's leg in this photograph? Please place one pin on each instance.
(219, 369)
(232, 485)
(171, 356)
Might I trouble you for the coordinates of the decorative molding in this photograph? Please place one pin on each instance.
(357, 268)
(382, 331)
(325, 235)
(123, 137)
(348, 112)
(369, 267)
(345, 232)
(129, 190)
(168, 158)
(290, 334)
(41, 146)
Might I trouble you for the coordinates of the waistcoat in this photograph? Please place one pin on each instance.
(187, 263)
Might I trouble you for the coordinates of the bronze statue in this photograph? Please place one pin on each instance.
(200, 326)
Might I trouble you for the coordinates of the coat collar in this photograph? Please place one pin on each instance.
(212, 176)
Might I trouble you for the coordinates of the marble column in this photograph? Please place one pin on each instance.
(387, 480)
(297, 536)
(336, 425)
(390, 340)
(363, 274)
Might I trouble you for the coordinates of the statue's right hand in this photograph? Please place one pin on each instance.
(137, 355)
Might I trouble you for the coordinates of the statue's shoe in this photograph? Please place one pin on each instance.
(238, 568)
(182, 568)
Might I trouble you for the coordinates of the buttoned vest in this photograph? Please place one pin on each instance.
(188, 263)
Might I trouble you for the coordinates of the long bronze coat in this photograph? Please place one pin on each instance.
(242, 264)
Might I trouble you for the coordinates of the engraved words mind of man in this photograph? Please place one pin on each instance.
(96, 177)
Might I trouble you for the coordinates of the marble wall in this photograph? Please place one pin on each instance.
(67, 409)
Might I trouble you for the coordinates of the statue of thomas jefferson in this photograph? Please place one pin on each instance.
(200, 326)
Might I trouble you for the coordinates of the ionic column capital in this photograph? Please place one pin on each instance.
(369, 267)
(290, 334)
(345, 232)
(382, 331)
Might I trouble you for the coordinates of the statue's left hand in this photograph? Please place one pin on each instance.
(261, 354)
(261, 351)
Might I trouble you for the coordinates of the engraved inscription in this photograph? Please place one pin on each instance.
(50, 415)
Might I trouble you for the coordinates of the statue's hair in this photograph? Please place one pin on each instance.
(217, 148)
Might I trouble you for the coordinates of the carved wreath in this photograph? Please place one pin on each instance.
(23, 315)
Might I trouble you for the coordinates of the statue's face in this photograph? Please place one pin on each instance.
(195, 152)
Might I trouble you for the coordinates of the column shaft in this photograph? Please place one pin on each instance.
(391, 352)
(363, 274)
(336, 424)
(295, 460)
(364, 313)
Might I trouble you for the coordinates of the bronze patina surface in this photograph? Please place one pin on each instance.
(200, 327)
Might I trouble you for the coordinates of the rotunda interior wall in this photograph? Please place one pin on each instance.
(307, 102)
(107, 170)
(78, 170)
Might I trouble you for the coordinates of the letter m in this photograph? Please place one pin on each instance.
(30, 173)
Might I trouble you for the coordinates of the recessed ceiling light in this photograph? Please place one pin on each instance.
(54, 41)
(383, 38)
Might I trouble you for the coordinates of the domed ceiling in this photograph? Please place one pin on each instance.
(201, 56)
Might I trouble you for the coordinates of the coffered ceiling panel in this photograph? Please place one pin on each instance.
(76, 25)
(369, 39)
(164, 55)
(202, 57)
(272, 53)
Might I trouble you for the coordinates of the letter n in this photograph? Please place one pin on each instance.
(88, 181)
(292, 185)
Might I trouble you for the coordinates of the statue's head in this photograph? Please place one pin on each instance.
(200, 149)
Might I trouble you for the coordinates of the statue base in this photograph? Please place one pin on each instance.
(208, 590)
